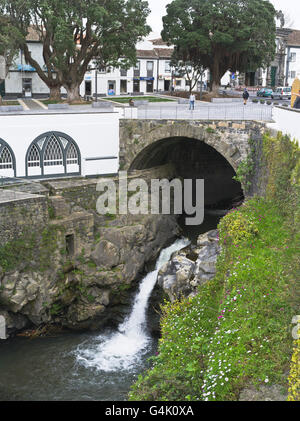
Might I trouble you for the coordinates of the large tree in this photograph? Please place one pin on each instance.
(192, 72)
(9, 41)
(75, 32)
(235, 35)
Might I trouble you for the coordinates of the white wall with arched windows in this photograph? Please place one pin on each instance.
(7, 160)
(59, 145)
(53, 153)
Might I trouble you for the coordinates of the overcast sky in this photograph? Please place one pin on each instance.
(290, 7)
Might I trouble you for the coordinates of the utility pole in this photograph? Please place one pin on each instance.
(157, 75)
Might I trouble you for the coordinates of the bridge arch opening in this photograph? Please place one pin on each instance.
(194, 159)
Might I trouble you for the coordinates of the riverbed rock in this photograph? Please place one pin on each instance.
(191, 267)
(106, 254)
(88, 289)
(264, 393)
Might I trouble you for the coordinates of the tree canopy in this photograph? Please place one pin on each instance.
(221, 35)
(9, 41)
(74, 32)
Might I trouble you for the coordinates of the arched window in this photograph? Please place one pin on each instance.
(72, 155)
(52, 154)
(34, 159)
(7, 160)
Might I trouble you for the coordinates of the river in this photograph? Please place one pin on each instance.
(86, 366)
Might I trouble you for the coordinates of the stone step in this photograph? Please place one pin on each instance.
(61, 208)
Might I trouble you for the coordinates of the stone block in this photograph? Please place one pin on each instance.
(183, 101)
(58, 106)
(102, 104)
(140, 102)
(10, 108)
(240, 126)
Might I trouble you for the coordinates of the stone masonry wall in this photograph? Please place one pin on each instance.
(230, 139)
(18, 215)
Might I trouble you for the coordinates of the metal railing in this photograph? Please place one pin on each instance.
(202, 112)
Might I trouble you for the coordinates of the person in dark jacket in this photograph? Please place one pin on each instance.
(245, 96)
(297, 102)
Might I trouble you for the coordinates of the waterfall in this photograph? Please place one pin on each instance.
(124, 348)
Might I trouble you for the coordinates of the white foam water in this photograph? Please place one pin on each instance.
(124, 348)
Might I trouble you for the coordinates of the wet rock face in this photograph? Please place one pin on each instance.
(190, 267)
(91, 290)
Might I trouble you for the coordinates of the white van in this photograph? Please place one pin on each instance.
(282, 93)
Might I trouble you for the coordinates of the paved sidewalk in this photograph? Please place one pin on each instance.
(32, 104)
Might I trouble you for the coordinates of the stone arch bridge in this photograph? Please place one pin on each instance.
(212, 150)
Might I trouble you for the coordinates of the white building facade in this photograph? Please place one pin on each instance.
(293, 57)
(58, 145)
(152, 73)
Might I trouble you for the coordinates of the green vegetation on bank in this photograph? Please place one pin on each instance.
(31, 250)
(237, 331)
(8, 103)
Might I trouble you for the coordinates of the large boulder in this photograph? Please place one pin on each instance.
(190, 267)
(106, 254)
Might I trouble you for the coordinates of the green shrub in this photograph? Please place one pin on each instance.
(236, 331)
(235, 228)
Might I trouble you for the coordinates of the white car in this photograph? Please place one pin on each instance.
(282, 93)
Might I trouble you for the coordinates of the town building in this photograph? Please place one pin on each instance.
(284, 68)
(152, 73)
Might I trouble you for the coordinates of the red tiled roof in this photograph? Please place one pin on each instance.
(146, 54)
(158, 41)
(155, 53)
(294, 38)
(164, 52)
(33, 34)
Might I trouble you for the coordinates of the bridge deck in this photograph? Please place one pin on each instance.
(232, 111)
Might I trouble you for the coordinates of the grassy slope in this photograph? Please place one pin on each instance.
(9, 103)
(237, 330)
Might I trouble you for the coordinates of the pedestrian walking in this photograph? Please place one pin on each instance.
(245, 96)
(192, 101)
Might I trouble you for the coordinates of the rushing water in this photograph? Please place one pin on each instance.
(83, 366)
(123, 350)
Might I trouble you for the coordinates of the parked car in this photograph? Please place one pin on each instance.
(283, 92)
(265, 92)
